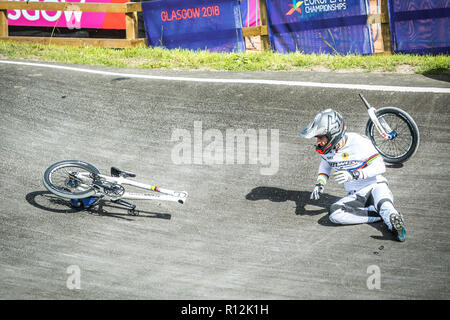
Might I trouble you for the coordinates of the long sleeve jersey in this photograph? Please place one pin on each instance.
(357, 153)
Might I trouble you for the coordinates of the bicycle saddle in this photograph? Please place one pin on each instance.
(115, 172)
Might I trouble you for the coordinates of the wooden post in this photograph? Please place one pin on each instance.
(265, 40)
(3, 23)
(132, 25)
(385, 28)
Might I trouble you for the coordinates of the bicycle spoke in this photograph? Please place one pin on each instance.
(61, 176)
(398, 146)
(70, 179)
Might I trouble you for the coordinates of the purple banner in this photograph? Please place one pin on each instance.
(320, 26)
(420, 26)
(213, 25)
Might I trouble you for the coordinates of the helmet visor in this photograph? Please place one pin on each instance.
(314, 129)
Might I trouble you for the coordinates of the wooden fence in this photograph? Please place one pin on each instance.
(132, 8)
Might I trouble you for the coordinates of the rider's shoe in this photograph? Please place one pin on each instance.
(398, 226)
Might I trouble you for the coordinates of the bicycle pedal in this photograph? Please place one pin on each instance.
(133, 212)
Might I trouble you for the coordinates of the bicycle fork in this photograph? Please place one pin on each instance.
(380, 124)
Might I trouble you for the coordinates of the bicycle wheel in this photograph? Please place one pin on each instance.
(406, 141)
(59, 179)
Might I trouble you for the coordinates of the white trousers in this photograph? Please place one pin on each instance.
(368, 205)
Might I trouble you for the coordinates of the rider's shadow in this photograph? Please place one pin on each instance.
(47, 201)
(300, 198)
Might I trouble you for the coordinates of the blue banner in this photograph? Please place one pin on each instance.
(419, 26)
(320, 26)
(213, 25)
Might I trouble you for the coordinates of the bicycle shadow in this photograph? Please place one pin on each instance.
(47, 201)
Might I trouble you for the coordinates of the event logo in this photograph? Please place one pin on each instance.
(190, 13)
(295, 6)
(316, 6)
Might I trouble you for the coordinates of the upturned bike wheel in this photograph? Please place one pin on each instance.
(406, 141)
(59, 179)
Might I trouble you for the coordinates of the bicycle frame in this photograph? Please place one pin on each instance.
(158, 193)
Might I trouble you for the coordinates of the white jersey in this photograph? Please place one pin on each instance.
(357, 153)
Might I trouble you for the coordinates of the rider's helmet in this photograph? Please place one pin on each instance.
(327, 123)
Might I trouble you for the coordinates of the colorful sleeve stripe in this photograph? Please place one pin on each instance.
(154, 188)
(365, 164)
(375, 156)
(322, 178)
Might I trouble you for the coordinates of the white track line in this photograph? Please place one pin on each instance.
(243, 81)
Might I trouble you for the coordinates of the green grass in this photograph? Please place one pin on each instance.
(158, 58)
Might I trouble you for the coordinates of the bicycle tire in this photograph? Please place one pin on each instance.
(65, 191)
(384, 146)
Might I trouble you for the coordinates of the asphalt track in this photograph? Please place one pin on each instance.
(241, 235)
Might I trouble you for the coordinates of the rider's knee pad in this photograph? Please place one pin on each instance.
(336, 214)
